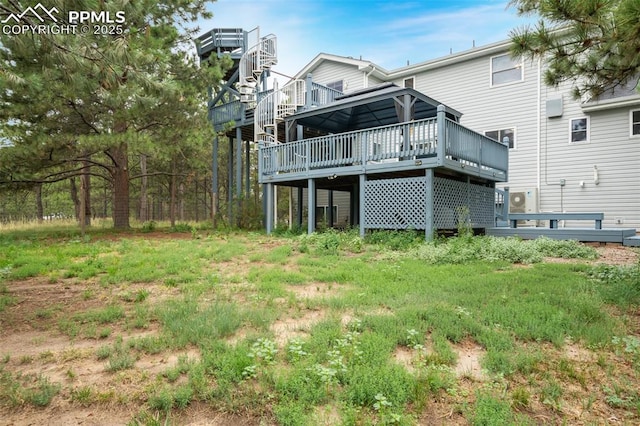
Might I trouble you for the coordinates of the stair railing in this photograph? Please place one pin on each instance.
(274, 107)
(258, 58)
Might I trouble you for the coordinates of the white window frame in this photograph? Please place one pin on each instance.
(631, 122)
(588, 130)
(333, 84)
(515, 139)
(519, 65)
(404, 82)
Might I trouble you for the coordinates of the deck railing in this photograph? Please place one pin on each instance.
(224, 113)
(475, 149)
(322, 95)
(379, 144)
(415, 140)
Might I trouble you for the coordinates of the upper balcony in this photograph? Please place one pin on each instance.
(388, 130)
(230, 41)
(242, 114)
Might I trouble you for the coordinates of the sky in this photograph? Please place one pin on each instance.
(388, 33)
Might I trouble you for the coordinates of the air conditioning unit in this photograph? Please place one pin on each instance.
(525, 201)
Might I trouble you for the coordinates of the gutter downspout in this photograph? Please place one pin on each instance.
(366, 76)
(539, 134)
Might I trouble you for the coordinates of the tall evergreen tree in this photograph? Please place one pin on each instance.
(596, 43)
(73, 102)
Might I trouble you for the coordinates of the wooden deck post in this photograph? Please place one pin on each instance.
(214, 182)
(441, 134)
(429, 228)
(362, 179)
(311, 214)
(268, 196)
(300, 207)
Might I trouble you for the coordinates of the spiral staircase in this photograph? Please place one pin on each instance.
(259, 57)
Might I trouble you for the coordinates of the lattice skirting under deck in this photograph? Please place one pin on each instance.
(402, 204)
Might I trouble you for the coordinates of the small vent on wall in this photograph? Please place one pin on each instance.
(554, 108)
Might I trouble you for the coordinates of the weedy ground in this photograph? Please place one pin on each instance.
(156, 326)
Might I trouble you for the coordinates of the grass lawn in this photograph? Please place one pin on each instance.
(241, 328)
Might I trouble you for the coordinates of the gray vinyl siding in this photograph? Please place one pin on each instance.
(466, 87)
(330, 71)
(610, 149)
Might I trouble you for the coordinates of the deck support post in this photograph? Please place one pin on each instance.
(363, 180)
(269, 208)
(300, 206)
(238, 162)
(429, 206)
(247, 171)
(238, 174)
(311, 214)
(214, 182)
(230, 183)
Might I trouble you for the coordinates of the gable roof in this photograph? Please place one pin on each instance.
(384, 74)
(359, 63)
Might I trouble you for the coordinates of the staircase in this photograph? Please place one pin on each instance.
(256, 59)
(274, 107)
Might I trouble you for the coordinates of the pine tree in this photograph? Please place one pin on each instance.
(85, 103)
(595, 43)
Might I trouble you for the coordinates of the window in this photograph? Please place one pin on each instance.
(506, 136)
(504, 69)
(409, 82)
(322, 215)
(336, 85)
(579, 129)
(634, 117)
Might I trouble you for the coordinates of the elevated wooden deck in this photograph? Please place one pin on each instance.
(415, 145)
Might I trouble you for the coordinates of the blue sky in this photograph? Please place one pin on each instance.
(388, 33)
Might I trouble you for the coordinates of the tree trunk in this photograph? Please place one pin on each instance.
(144, 210)
(120, 174)
(83, 205)
(39, 209)
(172, 189)
(181, 201)
(85, 184)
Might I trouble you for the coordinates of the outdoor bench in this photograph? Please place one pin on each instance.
(553, 218)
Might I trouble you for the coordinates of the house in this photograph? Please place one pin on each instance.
(562, 154)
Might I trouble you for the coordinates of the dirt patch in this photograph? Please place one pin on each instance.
(288, 328)
(315, 290)
(469, 356)
(468, 365)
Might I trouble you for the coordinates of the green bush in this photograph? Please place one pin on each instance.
(619, 284)
(395, 240)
